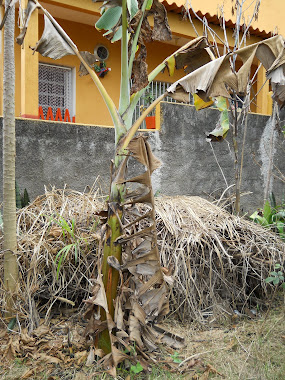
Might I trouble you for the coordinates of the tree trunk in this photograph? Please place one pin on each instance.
(113, 232)
(9, 154)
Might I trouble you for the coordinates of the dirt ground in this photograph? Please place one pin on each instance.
(239, 348)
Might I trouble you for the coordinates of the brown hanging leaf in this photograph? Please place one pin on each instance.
(161, 30)
(31, 6)
(99, 296)
(54, 42)
(141, 151)
(90, 59)
(214, 78)
(142, 297)
(114, 263)
(192, 55)
(118, 356)
(119, 315)
(94, 327)
(134, 327)
(207, 81)
(140, 74)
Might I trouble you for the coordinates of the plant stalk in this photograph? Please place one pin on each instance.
(111, 248)
(125, 85)
(135, 40)
(130, 134)
(236, 164)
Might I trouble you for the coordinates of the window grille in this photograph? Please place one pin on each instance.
(55, 88)
(154, 90)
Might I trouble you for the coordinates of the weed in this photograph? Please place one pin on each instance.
(136, 368)
(175, 357)
(277, 276)
(272, 216)
(68, 232)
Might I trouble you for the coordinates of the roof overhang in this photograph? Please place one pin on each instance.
(213, 19)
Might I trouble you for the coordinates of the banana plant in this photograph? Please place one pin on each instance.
(143, 282)
(218, 80)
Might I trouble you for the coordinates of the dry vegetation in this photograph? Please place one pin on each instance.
(246, 349)
(219, 262)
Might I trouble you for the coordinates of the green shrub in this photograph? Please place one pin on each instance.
(272, 216)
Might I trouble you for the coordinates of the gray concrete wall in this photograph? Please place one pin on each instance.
(189, 165)
(57, 154)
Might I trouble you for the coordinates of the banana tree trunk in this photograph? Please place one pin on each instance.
(111, 248)
(9, 154)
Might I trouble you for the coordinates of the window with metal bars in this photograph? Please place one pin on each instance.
(55, 88)
(154, 90)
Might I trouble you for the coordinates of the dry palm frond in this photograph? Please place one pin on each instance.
(40, 238)
(220, 261)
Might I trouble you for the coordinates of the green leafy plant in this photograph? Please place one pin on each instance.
(68, 233)
(136, 368)
(147, 99)
(272, 216)
(277, 276)
(22, 200)
(175, 357)
(99, 67)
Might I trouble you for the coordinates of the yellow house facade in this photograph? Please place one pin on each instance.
(42, 82)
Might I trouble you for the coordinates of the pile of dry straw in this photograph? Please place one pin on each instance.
(220, 261)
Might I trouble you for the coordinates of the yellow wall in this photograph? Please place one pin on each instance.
(90, 107)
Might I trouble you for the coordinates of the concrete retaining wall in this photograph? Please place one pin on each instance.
(189, 163)
(57, 154)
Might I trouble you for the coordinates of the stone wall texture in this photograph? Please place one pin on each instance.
(60, 154)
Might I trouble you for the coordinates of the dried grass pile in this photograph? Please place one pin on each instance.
(42, 233)
(220, 261)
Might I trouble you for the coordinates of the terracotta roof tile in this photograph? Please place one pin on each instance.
(178, 7)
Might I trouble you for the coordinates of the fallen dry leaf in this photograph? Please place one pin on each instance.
(213, 370)
(46, 358)
(81, 357)
(41, 331)
(90, 358)
(3, 333)
(27, 374)
(10, 351)
(81, 376)
(26, 339)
